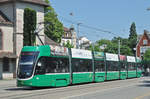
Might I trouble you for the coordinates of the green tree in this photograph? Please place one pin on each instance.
(133, 33)
(125, 50)
(68, 45)
(29, 27)
(124, 45)
(146, 59)
(133, 37)
(112, 46)
(147, 55)
(55, 28)
(99, 44)
(124, 41)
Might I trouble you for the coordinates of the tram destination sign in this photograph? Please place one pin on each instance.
(59, 51)
(131, 59)
(111, 57)
(122, 57)
(99, 55)
(79, 53)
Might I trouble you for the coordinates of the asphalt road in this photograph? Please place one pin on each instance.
(137, 88)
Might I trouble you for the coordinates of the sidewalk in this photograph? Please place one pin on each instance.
(7, 82)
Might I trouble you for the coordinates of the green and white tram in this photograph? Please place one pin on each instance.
(54, 66)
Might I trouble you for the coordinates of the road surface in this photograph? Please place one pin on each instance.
(137, 88)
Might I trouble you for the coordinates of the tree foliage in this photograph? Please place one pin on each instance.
(133, 37)
(29, 27)
(100, 45)
(111, 46)
(133, 33)
(68, 45)
(147, 55)
(146, 59)
(124, 41)
(127, 45)
(55, 28)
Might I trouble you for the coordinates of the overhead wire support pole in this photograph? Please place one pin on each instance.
(119, 46)
(78, 31)
(93, 50)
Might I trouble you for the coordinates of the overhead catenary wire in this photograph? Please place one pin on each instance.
(88, 27)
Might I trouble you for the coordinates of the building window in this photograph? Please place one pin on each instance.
(1, 38)
(144, 42)
(67, 35)
(5, 64)
(143, 49)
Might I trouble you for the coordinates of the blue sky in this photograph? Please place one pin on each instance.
(110, 15)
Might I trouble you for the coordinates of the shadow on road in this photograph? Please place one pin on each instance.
(145, 83)
(26, 88)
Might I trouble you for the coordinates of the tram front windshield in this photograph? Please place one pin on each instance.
(26, 64)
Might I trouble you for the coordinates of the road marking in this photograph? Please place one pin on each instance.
(95, 92)
(142, 96)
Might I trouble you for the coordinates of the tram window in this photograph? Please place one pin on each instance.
(57, 65)
(123, 66)
(40, 68)
(53, 65)
(131, 66)
(139, 66)
(82, 65)
(99, 66)
(135, 66)
(112, 66)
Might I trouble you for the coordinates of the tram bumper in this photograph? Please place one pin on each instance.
(21, 83)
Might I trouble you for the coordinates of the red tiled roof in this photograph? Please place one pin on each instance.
(147, 33)
(39, 2)
(66, 29)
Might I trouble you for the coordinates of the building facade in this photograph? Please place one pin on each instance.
(11, 31)
(143, 43)
(84, 43)
(69, 36)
